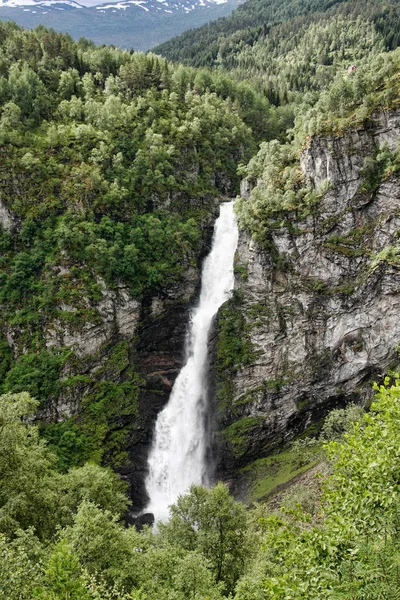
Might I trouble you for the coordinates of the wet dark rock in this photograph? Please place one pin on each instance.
(140, 521)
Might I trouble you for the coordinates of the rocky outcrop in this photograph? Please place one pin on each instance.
(318, 307)
(118, 316)
(7, 220)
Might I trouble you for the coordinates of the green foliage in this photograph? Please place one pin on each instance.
(349, 548)
(5, 357)
(62, 576)
(20, 560)
(379, 167)
(265, 475)
(234, 346)
(389, 255)
(240, 434)
(212, 523)
(32, 492)
(353, 97)
(37, 374)
(98, 432)
(281, 188)
(100, 543)
(304, 57)
(145, 252)
(341, 421)
(28, 486)
(346, 546)
(69, 442)
(92, 483)
(290, 47)
(194, 580)
(94, 179)
(110, 406)
(377, 431)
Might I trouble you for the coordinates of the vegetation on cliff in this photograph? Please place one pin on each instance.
(110, 165)
(280, 187)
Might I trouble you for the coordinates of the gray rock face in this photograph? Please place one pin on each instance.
(321, 306)
(118, 316)
(7, 220)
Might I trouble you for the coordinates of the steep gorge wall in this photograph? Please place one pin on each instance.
(106, 375)
(314, 319)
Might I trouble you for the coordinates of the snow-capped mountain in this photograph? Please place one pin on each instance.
(168, 6)
(138, 24)
(44, 5)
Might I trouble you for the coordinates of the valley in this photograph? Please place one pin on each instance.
(254, 419)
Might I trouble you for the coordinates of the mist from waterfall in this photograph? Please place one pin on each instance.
(178, 455)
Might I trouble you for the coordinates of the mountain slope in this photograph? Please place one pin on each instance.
(137, 24)
(269, 21)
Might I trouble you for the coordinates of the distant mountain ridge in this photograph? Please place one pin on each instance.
(168, 6)
(137, 24)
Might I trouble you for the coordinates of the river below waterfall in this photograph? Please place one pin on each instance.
(178, 455)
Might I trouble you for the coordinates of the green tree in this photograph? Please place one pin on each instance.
(95, 484)
(193, 579)
(212, 523)
(20, 565)
(103, 546)
(28, 483)
(62, 576)
(28, 92)
(32, 492)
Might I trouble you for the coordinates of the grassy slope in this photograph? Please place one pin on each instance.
(267, 476)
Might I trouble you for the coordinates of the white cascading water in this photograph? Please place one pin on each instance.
(177, 457)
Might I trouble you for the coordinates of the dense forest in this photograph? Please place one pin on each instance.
(267, 26)
(337, 538)
(111, 165)
(289, 47)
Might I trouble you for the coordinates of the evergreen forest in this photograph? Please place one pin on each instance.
(111, 166)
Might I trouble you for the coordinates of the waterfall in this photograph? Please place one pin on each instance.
(177, 457)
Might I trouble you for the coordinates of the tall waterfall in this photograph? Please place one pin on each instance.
(177, 457)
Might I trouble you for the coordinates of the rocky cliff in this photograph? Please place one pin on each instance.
(314, 319)
(104, 363)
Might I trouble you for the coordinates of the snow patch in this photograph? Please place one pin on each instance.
(44, 4)
(112, 6)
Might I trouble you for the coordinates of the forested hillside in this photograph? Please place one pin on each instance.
(290, 46)
(112, 167)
